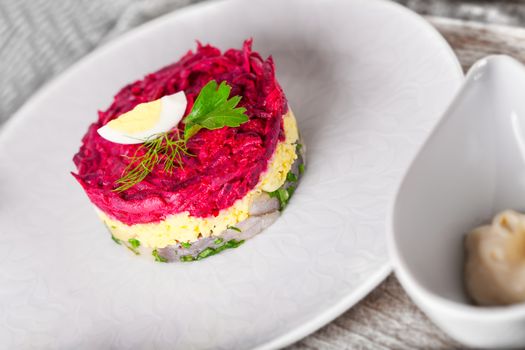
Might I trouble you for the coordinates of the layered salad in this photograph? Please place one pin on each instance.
(195, 158)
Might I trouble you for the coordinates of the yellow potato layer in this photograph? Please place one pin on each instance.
(182, 227)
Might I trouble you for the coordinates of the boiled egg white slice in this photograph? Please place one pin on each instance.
(146, 120)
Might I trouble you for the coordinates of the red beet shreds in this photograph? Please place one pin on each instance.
(227, 162)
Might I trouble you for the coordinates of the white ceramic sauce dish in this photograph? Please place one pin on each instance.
(470, 168)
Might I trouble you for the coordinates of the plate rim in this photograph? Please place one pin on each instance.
(330, 313)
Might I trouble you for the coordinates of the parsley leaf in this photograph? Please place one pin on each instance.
(213, 109)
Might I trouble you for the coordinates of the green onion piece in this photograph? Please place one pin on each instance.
(116, 240)
(213, 251)
(133, 250)
(157, 257)
(301, 168)
(206, 253)
(186, 258)
(283, 195)
(185, 244)
(234, 228)
(218, 241)
(135, 243)
(283, 198)
(291, 177)
(221, 248)
(233, 243)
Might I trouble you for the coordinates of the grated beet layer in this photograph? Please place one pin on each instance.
(227, 162)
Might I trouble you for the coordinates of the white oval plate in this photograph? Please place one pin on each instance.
(366, 79)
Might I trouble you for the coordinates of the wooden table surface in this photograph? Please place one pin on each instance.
(386, 318)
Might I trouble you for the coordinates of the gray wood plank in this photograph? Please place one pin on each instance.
(472, 40)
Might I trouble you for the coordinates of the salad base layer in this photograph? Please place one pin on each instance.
(182, 235)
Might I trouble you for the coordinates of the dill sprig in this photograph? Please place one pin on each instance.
(212, 109)
(159, 148)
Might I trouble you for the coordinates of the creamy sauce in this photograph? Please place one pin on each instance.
(495, 261)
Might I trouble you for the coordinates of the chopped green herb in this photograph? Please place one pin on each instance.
(301, 168)
(291, 177)
(206, 253)
(218, 241)
(212, 251)
(185, 244)
(282, 195)
(233, 243)
(165, 148)
(213, 109)
(234, 228)
(116, 240)
(157, 257)
(135, 243)
(298, 147)
(133, 250)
